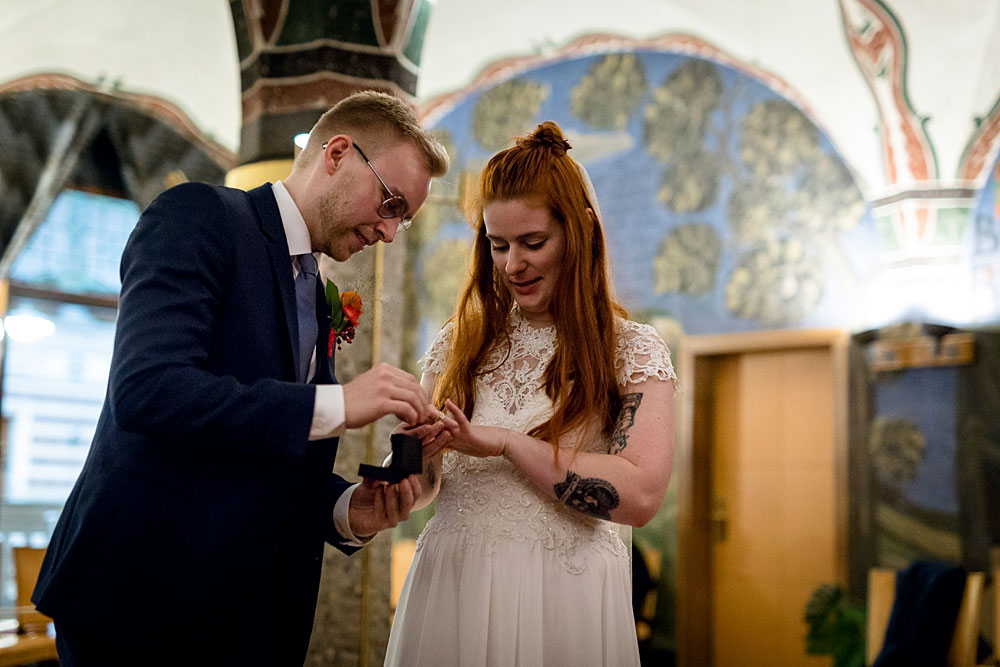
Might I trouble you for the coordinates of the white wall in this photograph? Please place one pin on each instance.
(184, 50)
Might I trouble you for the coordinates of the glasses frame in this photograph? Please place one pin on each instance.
(385, 208)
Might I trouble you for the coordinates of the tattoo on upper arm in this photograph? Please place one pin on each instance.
(589, 495)
(431, 474)
(626, 419)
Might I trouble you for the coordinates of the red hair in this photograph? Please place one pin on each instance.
(580, 378)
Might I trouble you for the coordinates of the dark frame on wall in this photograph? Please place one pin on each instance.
(924, 401)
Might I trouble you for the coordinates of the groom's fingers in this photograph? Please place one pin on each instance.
(400, 498)
(409, 492)
(380, 500)
(384, 390)
(392, 504)
(405, 387)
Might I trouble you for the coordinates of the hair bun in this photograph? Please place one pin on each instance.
(546, 135)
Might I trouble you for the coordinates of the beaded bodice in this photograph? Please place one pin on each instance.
(486, 500)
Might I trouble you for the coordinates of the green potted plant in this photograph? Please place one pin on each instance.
(836, 627)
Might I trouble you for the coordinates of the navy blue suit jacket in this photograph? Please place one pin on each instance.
(195, 532)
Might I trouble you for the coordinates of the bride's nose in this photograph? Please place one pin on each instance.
(515, 261)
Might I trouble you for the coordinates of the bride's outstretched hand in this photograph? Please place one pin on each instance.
(470, 439)
(434, 436)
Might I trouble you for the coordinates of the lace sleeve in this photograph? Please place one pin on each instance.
(641, 354)
(435, 357)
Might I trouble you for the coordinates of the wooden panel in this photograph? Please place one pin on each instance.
(693, 581)
(763, 416)
(964, 642)
(18, 649)
(27, 565)
(996, 611)
(881, 593)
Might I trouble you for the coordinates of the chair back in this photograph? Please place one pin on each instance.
(27, 565)
(882, 593)
(996, 613)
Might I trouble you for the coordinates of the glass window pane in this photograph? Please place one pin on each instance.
(78, 248)
(56, 361)
(55, 375)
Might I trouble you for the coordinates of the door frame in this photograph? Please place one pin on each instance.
(693, 466)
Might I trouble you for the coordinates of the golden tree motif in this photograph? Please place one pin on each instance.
(778, 282)
(444, 274)
(690, 183)
(505, 111)
(608, 94)
(676, 119)
(758, 208)
(827, 201)
(897, 449)
(447, 186)
(777, 139)
(688, 260)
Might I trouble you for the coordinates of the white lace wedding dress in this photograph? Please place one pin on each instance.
(503, 575)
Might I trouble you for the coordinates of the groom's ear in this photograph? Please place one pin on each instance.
(335, 152)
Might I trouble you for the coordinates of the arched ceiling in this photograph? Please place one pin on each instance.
(185, 52)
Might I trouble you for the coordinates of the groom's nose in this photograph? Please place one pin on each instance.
(386, 230)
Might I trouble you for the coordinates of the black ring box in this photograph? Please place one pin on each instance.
(407, 459)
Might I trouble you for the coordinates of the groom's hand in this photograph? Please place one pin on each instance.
(382, 391)
(376, 506)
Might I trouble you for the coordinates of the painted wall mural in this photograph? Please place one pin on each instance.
(985, 246)
(726, 208)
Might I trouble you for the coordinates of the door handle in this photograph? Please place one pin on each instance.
(718, 519)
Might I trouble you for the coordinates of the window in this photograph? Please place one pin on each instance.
(58, 336)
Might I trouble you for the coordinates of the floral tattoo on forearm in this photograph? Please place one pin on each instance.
(590, 495)
(626, 419)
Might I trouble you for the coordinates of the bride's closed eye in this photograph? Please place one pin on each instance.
(533, 245)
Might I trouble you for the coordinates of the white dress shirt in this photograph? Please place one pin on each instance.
(328, 410)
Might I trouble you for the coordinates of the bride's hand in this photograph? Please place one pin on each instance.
(434, 437)
(480, 441)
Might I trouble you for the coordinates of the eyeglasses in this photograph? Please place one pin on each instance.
(394, 205)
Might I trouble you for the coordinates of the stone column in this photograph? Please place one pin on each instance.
(297, 59)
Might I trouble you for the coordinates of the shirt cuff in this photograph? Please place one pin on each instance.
(328, 412)
(341, 519)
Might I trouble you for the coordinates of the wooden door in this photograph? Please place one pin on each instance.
(764, 515)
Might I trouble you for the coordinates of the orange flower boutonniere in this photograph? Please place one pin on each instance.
(345, 311)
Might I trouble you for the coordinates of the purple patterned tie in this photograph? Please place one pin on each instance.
(305, 298)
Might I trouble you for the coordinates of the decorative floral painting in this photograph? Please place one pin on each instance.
(726, 207)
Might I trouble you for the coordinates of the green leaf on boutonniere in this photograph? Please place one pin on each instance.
(336, 308)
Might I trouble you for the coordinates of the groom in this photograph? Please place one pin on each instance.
(195, 533)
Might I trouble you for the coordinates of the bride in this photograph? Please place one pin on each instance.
(558, 425)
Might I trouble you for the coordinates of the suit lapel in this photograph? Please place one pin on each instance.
(281, 267)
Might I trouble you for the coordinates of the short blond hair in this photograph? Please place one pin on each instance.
(377, 121)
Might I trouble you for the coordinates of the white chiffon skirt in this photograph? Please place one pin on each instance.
(512, 604)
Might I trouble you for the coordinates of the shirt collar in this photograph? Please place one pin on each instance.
(296, 232)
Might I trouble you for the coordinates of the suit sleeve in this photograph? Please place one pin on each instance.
(176, 271)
